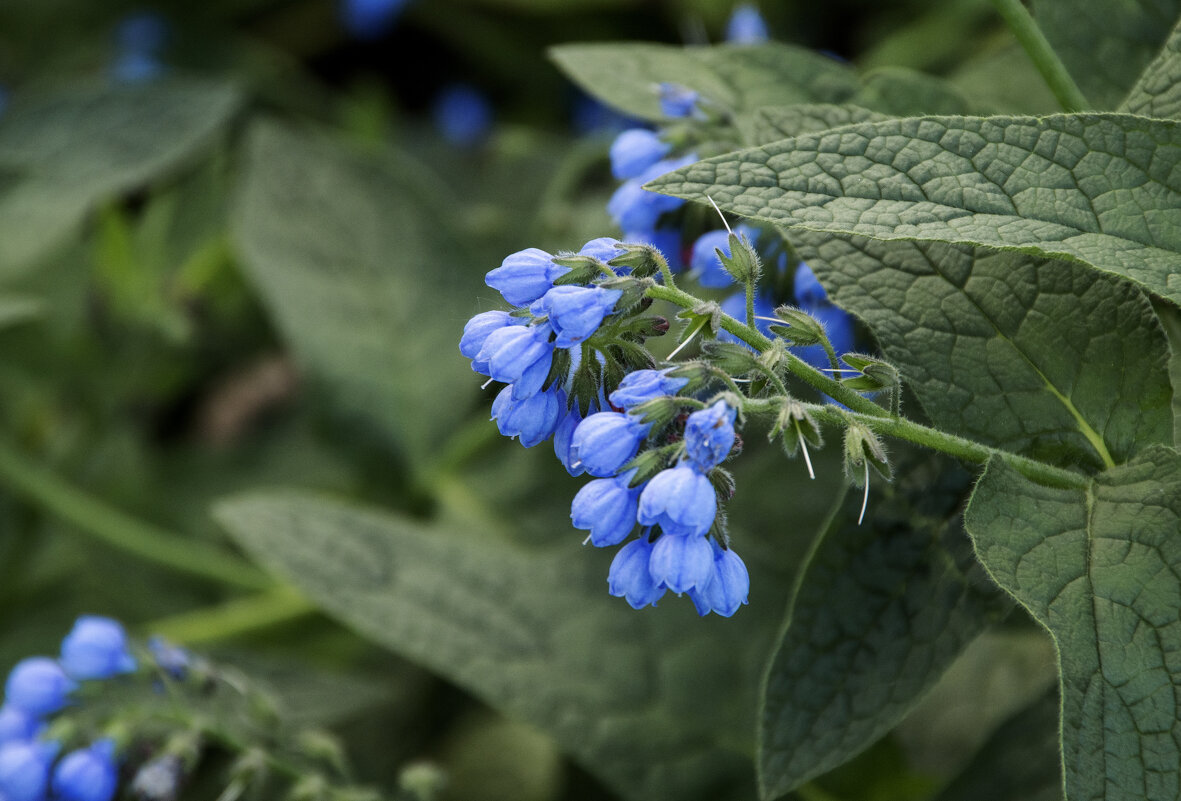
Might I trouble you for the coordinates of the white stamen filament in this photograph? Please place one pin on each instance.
(804, 448)
(485, 384)
(588, 536)
(865, 499)
(688, 339)
(719, 211)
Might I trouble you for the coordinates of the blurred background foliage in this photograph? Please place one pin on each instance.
(238, 242)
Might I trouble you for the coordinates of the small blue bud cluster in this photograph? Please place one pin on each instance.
(370, 19)
(463, 115)
(96, 649)
(139, 44)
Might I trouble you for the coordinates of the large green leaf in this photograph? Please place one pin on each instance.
(352, 263)
(1105, 45)
(1100, 568)
(1157, 93)
(1101, 189)
(657, 702)
(772, 123)
(881, 610)
(905, 93)
(1038, 356)
(61, 153)
(733, 78)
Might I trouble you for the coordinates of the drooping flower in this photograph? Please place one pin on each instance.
(606, 441)
(96, 648)
(606, 507)
(746, 25)
(534, 418)
(525, 276)
(38, 685)
(369, 19)
(727, 589)
(518, 355)
(575, 312)
(640, 386)
(629, 577)
(634, 151)
(17, 724)
(709, 435)
(88, 774)
(24, 769)
(681, 563)
(477, 330)
(680, 500)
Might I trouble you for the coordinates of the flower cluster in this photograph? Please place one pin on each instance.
(37, 688)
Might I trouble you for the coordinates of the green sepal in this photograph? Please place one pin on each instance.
(862, 445)
(633, 290)
(791, 421)
(659, 412)
(773, 357)
(697, 372)
(801, 329)
(743, 263)
(650, 462)
(643, 260)
(642, 326)
(583, 269)
(722, 479)
(875, 374)
(732, 359)
(709, 313)
(584, 387)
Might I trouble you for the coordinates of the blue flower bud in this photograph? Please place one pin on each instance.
(369, 19)
(641, 386)
(88, 774)
(463, 115)
(606, 507)
(24, 769)
(139, 38)
(604, 248)
(564, 436)
(677, 100)
(808, 291)
(838, 326)
(704, 263)
(666, 240)
(533, 419)
(519, 355)
(525, 276)
(606, 441)
(679, 500)
(576, 312)
(634, 208)
(96, 648)
(634, 151)
(746, 26)
(629, 577)
(476, 331)
(38, 685)
(17, 724)
(681, 563)
(727, 589)
(709, 435)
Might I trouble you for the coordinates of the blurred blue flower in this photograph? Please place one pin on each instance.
(634, 151)
(677, 100)
(746, 26)
(96, 648)
(808, 290)
(139, 42)
(172, 659)
(24, 769)
(667, 240)
(17, 724)
(590, 117)
(38, 685)
(369, 19)
(735, 306)
(463, 115)
(88, 774)
(634, 208)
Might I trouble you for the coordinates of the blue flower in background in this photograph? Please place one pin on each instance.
(704, 264)
(590, 117)
(139, 43)
(746, 26)
(634, 151)
(808, 291)
(24, 769)
(677, 100)
(88, 774)
(463, 115)
(666, 240)
(17, 724)
(96, 648)
(634, 208)
(735, 306)
(369, 19)
(38, 685)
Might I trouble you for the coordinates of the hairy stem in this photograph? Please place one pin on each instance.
(1019, 20)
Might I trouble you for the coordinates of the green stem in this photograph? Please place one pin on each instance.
(750, 303)
(875, 417)
(233, 618)
(129, 534)
(1019, 20)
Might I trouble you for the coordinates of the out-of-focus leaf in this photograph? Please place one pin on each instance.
(733, 78)
(772, 123)
(1099, 567)
(881, 611)
(656, 702)
(62, 153)
(1105, 45)
(353, 262)
(1038, 356)
(16, 309)
(1004, 81)
(1157, 93)
(902, 92)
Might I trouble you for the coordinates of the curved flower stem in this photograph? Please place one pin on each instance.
(1021, 22)
(876, 418)
(121, 530)
(233, 618)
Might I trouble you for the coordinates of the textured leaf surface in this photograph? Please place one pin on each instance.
(1102, 189)
(904, 92)
(1038, 356)
(881, 611)
(1101, 569)
(1157, 92)
(772, 123)
(1105, 45)
(735, 78)
(658, 703)
(62, 153)
(348, 264)
(1020, 761)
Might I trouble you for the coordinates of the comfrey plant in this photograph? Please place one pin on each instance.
(111, 717)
